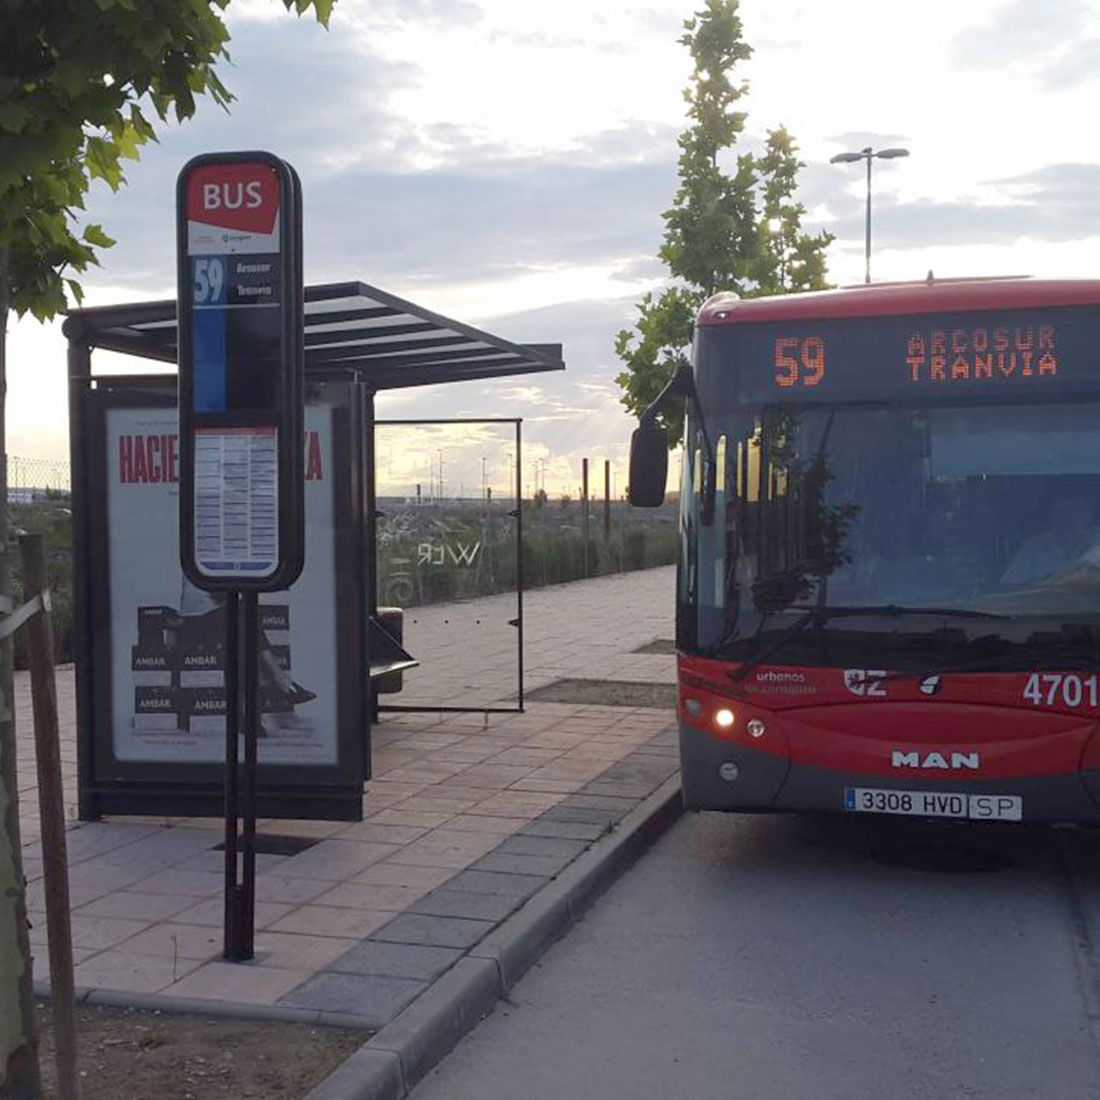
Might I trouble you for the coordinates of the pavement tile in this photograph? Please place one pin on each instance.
(428, 820)
(131, 973)
(425, 772)
(525, 755)
(102, 932)
(493, 882)
(104, 878)
(433, 931)
(215, 861)
(453, 789)
(517, 863)
(299, 951)
(276, 887)
(430, 739)
(581, 815)
(494, 776)
(171, 940)
(486, 823)
(40, 960)
(446, 837)
(618, 803)
(517, 803)
(382, 834)
(212, 913)
(460, 903)
(164, 848)
(466, 754)
(196, 883)
(78, 895)
(397, 960)
(398, 874)
(452, 859)
(387, 788)
(137, 906)
(553, 739)
(226, 981)
(542, 846)
(636, 791)
(96, 837)
(555, 784)
(317, 829)
(335, 859)
(371, 895)
(568, 830)
(441, 801)
(328, 920)
(377, 999)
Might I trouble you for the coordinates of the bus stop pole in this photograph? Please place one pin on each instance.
(251, 690)
(231, 946)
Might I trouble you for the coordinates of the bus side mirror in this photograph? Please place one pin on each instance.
(648, 465)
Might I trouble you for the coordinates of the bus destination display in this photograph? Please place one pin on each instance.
(923, 355)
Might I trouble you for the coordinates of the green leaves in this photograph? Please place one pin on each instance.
(73, 79)
(94, 235)
(738, 231)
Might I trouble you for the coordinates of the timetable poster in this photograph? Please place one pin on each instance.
(168, 637)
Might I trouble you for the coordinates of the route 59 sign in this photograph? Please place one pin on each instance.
(241, 361)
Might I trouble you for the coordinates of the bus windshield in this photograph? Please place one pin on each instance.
(991, 509)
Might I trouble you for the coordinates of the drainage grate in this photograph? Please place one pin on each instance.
(606, 693)
(274, 844)
(662, 646)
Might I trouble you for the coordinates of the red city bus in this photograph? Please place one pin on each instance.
(889, 578)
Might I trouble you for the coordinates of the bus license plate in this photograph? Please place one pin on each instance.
(977, 807)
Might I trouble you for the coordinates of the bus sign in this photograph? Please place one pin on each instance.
(923, 356)
(241, 392)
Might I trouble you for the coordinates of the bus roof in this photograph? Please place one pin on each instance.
(885, 299)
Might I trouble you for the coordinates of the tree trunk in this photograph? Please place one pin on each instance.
(18, 1048)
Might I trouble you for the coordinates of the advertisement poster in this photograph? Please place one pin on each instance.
(168, 700)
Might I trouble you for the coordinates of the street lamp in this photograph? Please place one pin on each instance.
(868, 154)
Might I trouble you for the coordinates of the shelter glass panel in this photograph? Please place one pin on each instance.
(448, 535)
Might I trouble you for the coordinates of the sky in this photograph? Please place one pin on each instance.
(506, 163)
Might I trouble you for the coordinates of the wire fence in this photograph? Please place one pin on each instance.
(31, 479)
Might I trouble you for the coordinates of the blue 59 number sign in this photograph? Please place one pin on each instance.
(240, 371)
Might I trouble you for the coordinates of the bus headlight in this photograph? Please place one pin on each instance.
(723, 718)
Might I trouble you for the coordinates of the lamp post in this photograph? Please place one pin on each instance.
(868, 154)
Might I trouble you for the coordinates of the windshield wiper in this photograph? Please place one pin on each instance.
(901, 609)
(825, 611)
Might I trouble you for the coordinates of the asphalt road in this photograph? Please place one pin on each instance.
(800, 959)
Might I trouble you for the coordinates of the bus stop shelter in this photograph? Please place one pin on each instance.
(148, 651)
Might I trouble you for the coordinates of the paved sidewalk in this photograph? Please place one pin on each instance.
(467, 815)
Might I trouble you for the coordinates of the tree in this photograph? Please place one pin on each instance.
(78, 81)
(740, 231)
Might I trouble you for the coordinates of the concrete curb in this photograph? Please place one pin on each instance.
(236, 1010)
(389, 1065)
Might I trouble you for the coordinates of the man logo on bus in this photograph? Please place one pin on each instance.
(954, 761)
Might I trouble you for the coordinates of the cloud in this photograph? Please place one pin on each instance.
(854, 140)
(1021, 29)
(566, 415)
(453, 12)
(1076, 65)
(481, 215)
(1056, 203)
(1045, 40)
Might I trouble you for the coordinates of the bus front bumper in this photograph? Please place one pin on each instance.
(726, 775)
